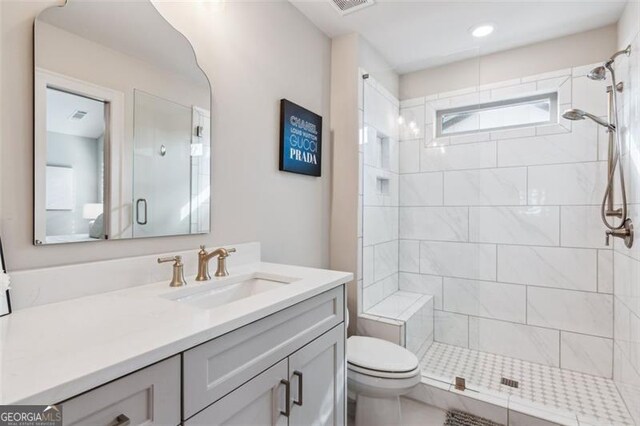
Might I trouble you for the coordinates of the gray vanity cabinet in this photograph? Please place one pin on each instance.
(217, 367)
(317, 377)
(260, 401)
(312, 394)
(284, 369)
(148, 396)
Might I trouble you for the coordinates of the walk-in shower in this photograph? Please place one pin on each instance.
(624, 229)
(482, 249)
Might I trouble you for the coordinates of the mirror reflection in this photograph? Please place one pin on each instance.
(122, 126)
(75, 165)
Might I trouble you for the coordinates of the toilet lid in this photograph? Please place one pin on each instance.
(379, 355)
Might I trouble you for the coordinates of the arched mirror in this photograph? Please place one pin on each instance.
(121, 126)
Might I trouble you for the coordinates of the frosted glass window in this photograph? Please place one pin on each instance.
(507, 114)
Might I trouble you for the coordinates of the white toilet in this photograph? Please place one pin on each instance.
(379, 372)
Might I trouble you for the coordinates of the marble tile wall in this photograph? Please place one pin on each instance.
(503, 227)
(626, 262)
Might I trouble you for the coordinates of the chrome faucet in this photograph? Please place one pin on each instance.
(203, 263)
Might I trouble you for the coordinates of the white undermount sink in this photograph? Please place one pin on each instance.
(217, 293)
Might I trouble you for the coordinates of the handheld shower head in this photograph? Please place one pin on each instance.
(575, 114)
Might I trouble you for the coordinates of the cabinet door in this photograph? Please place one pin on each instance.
(217, 367)
(317, 376)
(260, 401)
(148, 396)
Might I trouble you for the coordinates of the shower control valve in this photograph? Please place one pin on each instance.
(626, 233)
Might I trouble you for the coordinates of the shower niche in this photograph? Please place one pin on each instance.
(383, 164)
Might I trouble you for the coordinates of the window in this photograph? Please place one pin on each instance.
(506, 114)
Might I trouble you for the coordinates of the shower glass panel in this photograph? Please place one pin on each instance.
(162, 167)
(422, 264)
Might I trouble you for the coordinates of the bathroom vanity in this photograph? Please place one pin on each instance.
(262, 346)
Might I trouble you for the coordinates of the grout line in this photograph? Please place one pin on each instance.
(526, 304)
(496, 281)
(560, 226)
(442, 177)
(598, 271)
(510, 166)
(613, 289)
(419, 256)
(526, 185)
(507, 244)
(525, 324)
(469, 224)
(560, 349)
(496, 254)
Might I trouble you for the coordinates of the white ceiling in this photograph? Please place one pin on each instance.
(134, 28)
(415, 34)
(61, 105)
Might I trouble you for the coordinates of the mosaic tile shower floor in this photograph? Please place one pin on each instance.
(593, 398)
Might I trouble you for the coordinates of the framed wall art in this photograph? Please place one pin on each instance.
(300, 140)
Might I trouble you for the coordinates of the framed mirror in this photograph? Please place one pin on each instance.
(121, 126)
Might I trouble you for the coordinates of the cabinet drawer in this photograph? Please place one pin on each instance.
(215, 368)
(148, 396)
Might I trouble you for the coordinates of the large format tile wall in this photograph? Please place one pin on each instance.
(627, 261)
(503, 228)
(379, 168)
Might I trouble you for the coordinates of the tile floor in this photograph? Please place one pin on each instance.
(593, 399)
(414, 413)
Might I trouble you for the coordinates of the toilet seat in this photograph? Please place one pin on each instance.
(382, 374)
(379, 358)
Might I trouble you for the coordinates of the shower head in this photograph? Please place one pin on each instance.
(575, 114)
(598, 73)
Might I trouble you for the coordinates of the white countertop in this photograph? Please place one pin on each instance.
(52, 352)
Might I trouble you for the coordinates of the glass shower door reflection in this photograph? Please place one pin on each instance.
(162, 167)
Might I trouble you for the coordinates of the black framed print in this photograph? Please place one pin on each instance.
(300, 140)
(5, 299)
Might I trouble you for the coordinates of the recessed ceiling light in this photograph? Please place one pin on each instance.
(482, 30)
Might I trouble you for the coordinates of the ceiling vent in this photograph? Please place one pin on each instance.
(349, 6)
(77, 115)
